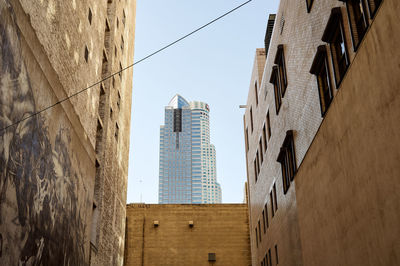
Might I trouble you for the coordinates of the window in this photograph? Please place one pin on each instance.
(276, 254)
(268, 126)
(334, 35)
(256, 91)
(123, 17)
(251, 119)
(120, 70)
(309, 5)
(259, 230)
(116, 131)
(277, 90)
(86, 54)
(280, 61)
(264, 225)
(358, 20)
(90, 16)
(117, 23)
(264, 136)
(122, 43)
(272, 204)
(119, 100)
(255, 169)
(373, 5)
(266, 214)
(107, 26)
(287, 160)
(261, 152)
(269, 257)
(247, 139)
(320, 69)
(275, 198)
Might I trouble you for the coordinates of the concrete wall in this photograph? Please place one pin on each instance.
(218, 228)
(369, 105)
(48, 172)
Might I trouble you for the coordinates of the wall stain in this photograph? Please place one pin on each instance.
(42, 221)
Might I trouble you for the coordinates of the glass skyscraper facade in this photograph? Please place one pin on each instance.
(187, 158)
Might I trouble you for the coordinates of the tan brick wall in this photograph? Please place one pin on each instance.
(300, 112)
(218, 228)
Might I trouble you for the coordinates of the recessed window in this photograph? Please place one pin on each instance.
(272, 204)
(247, 139)
(116, 132)
(280, 61)
(256, 236)
(321, 70)
(277, 90)
(276, 254)
(358, 20)
(334, 35)
(251, 119)
(118, 100)
(90, 16)
(256, 91)
(107, 26)
(123, 17)
(264, 136)
(287, 160)
(269, 257)
(264, 224)
(255, 170)
(259, 230)
(268, 126)
(373, 6)
(120, 70)
(275, 198)
(261, 151)
(117, 23)
(122, 43)
(86, 54)
(309, 5)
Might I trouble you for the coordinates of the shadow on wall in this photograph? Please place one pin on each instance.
(40, 219)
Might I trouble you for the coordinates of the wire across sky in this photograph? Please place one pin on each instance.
(125, 68)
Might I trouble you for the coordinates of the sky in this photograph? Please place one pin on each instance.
(213, 66)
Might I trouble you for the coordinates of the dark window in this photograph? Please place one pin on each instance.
(259, 230)
(266, 214)
(358, 20)
(116, 132)
(280, 61)
(90, 16)
(320, 69)
(269, 257)
(287, 160)
(251, 119)
(268, 126)
(86, 54)
(309, 5)
(119, 100)
(373, 5)
(258, 162)
(265, 138)
(276, 254)
(107, 26)
(115, 50)
(120, 70)
(261, 152)
(334, 35)
(247, 139)
(275, 198)
(264, 225)
(178, 120)
(277, 90)
(256, 236)
(255, 169)
(123, 17)
(117, 23)
(256, 91)
(272, 204)
(111, 113)
(122, 43)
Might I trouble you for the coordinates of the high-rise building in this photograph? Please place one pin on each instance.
(188, 171)
(322, 135)
(63, 172)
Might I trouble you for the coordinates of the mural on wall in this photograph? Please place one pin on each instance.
(42, 217)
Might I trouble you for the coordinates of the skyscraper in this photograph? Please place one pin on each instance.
(187, 158)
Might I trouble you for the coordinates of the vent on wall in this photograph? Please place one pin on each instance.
(212, 257)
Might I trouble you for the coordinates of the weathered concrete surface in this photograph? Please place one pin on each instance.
(217, 228)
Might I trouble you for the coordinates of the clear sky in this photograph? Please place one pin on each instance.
(213, 66)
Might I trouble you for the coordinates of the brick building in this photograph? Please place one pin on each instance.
(187, 234)
(63, 173)
(321, 132)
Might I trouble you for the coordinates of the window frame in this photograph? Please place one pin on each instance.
(353, 28)
(282, 73)
(320, 64)
(333, 30)
(371, 12)
(277, 90)
(287, 159)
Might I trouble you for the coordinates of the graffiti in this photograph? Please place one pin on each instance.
(41, 219)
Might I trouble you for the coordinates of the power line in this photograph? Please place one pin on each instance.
(129, 66)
